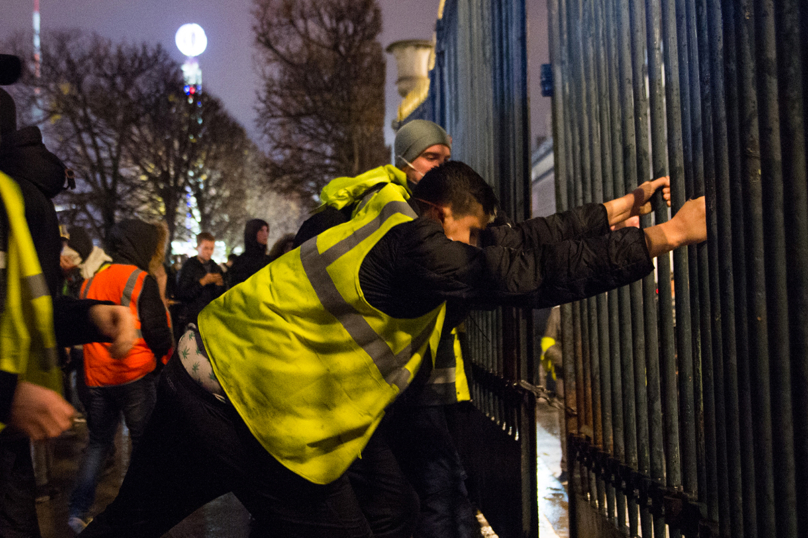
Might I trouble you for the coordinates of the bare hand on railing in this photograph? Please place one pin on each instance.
(642, 195)
(687, 227)
(638, 201)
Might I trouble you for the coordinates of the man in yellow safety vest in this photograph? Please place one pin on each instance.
(290, 372)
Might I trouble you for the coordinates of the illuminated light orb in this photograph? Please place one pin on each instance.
(191, 40)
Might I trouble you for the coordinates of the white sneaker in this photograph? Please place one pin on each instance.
(77, 524)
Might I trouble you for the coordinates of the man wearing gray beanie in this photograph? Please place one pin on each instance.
(420, 146)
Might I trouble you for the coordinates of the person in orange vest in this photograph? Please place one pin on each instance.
(122, 385)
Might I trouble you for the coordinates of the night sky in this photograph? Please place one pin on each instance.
(227, 64)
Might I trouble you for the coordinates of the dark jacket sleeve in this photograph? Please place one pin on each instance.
(153, 319)
(188, 286)
(589, 220)
(71, 321)
(424, 268)
(8, 384)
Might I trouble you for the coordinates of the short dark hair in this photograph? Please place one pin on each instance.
(457, 185)
(204, 236)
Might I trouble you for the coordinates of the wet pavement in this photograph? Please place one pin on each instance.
(553, 502)
(226, 517)
(223, 518)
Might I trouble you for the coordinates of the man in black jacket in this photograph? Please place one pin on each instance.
(200, 280)
(29, 410)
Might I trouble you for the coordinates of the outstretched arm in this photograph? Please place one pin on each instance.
(687, 227)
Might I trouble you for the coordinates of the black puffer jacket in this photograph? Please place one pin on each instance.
(254, 256)
(534, 264)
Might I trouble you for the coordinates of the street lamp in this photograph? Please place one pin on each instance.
(192, 41)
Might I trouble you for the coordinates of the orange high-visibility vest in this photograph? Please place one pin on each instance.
(120, 284)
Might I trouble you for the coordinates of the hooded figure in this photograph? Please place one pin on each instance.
(41, 176)
(254, 256)
(125, 385)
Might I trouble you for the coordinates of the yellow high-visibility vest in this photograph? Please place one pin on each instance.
(549, 367)
(27, 339)
(307, 362)
(447, 382)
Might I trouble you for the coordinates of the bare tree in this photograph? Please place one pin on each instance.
(89, 100)
(322, 102)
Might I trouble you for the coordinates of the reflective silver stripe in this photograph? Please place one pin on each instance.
(48, 359)
(37, 286)
(126, 298)
(87, 287)
(344, 246)
(390, 365)
(443, 375)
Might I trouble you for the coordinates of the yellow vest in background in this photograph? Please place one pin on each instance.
(27, 340)
(308, 363)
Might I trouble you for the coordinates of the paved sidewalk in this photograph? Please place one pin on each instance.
(223, 518)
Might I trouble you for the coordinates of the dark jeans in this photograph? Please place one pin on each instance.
(104, 407)
(197, 448)
(388, 501)
(18, 517)
(419, 437)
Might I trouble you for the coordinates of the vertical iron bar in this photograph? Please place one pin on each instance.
(715, 418)
(791, 55)
(722, 283)
(602, 301)
(629, 295)
(619, 419)
(745, 453)
(698, 261)
(681, 189)
(756, 272)
(676, 172)
(594, 182)
(659, 352)
(586, 194)
(641, 291)
(774, 259)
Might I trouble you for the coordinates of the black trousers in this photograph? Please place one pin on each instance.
(18, 517)
(197, 448)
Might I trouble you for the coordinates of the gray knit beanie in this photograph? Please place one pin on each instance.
(416, 136)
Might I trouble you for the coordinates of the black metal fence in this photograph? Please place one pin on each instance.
(478, 92)
(690, 418)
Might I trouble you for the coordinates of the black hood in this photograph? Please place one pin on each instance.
(251, 244)
(24, 157)
(134, 242)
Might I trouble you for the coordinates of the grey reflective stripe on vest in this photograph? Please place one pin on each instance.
(87, 287)
(443, 375)
(315, 264)
(126, 298)
(37, 286)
